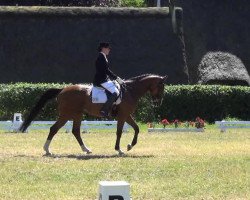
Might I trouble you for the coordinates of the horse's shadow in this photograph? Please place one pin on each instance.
(86, 156)
(97, 156)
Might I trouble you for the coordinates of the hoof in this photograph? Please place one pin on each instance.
(121, 153)
(85, 149)
(129, 147)
(88, 152)
(47, 154)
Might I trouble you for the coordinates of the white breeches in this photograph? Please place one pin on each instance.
(110, 86)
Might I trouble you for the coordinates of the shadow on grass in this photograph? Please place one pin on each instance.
(90, 157)
(86, 157)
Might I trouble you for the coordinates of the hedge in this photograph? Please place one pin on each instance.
(183, 102)
(20, 97)
(78, 3)
(210, 102)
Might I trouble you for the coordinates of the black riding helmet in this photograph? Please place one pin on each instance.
(103, 45)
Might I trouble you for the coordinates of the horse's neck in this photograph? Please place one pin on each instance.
(140, 87)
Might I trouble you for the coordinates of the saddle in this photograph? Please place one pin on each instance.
(100, 95)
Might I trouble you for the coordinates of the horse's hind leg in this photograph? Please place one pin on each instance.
(53, 130)
(77, 133)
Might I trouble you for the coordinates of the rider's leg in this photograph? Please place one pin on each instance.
(110, 86)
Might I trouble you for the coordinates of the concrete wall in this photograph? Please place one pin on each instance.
(212, 25)
(39, 44)
(60, 45)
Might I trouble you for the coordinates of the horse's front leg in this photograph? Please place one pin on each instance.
(132, 123)
(120, 124)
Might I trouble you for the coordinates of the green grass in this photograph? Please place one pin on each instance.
(209, 165)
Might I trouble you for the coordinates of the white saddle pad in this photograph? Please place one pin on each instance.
(99, 95)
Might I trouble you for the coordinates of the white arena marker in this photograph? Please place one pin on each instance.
(17, 121)
(114, 190)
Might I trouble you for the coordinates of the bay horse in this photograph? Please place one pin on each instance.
(75, 100)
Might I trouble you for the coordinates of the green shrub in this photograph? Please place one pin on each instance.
(183, 102)
(21, 97)
(209, 102)
(133, 3)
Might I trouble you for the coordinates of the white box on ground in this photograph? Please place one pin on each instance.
(114, 190)
(17, 121)
(17, 117)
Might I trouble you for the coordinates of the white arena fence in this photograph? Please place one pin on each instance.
(224, 125)
(86, 126)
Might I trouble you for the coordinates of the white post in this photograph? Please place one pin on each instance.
(17, 121)
(158, 3)
(85, 126)
(125, 128)
(222, 127)
(68, 126)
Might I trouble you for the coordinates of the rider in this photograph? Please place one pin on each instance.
(104, 76)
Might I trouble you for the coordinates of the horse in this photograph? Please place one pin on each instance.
(75, 100)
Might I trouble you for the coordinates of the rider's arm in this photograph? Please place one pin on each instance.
(104, 68)
(111, 74)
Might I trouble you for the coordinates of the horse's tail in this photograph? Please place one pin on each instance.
(48, 95)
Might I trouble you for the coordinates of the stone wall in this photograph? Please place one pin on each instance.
(60, 45)
(212, 25)
(45, 44)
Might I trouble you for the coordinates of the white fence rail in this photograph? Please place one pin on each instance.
(224, 125)
(86, 126)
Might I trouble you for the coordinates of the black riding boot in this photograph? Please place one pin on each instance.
(106, 107)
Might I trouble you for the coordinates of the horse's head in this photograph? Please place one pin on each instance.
(149, 82)
(157, 90)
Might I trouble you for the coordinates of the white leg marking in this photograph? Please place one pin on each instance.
(46, 147)
(121, 153)
(85, 149)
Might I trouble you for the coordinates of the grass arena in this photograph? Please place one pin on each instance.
(208, 165)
